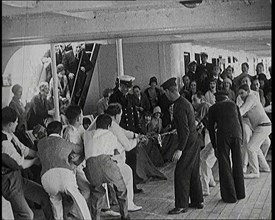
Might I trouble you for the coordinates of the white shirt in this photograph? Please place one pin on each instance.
(74, 135)
(99, 142)
(254, 110)
(124, 137)
(9, 149)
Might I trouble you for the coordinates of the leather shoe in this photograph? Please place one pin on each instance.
(138, 190)
(109, 212)
(196, 205)
(125, 217)
(251, 176)
(134, 208)
(265, 170)
(176, 211)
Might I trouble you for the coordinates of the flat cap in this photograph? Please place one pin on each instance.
(169, 83)
(126, 80)
(221, 93)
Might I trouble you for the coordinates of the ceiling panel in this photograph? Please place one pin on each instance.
(231, 24)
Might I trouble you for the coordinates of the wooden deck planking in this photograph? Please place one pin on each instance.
(267, 211)
(241, 204)
(158, 199)
(253, 196)
(261, 199)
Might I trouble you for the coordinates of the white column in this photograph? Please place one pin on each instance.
(119, 54)
(55, 84)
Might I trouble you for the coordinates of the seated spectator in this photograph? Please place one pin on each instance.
(204, 67)
(193, 90)
(185, 90)
(202, 83)
(216, 74)
(260, 68)
(227, 85)
(15, 188)
(237, 81)
(263, 82)
(100, 145)
(63, 86)
(140, 101)
(39, 107)
(155, 125)
(210, 94)
(86, 122)
(18, 106)
(57, 175)
(228, 73)
(102, 103)
(192, 66)
(145, 121)
(255, 86)
(153, 93)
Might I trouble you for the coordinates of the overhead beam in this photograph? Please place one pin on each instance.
(207, 18)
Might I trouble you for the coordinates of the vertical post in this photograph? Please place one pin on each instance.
(119, 57)
(55, 84)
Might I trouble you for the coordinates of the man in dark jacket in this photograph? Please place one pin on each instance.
(15, 188)
(187, 177)
(225, 116)
(70, 62)
(129, 118)
(204, 66)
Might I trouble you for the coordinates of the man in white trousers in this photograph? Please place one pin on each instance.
(259, 143)
(207, 154)
(58, 171)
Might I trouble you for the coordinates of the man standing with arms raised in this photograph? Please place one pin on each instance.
(186, 177)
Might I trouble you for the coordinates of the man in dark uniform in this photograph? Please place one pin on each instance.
(187, 176)
(225, 116)
(70, 62)
(129, 118)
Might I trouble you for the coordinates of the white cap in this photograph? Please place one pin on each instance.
(126, 78)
